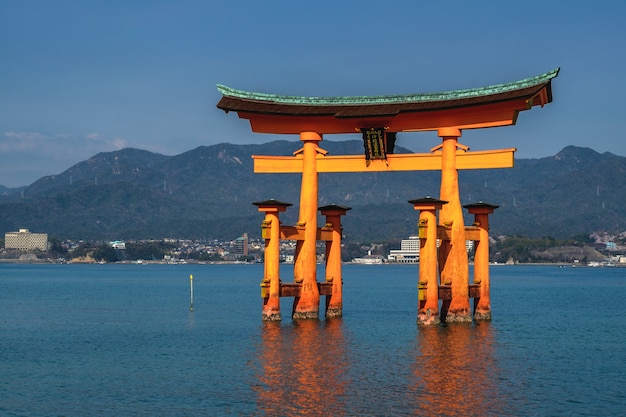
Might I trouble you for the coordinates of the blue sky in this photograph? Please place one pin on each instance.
(82, 77)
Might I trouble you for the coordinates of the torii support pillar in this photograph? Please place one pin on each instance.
(307, 305)
(334, 303)
(270, 286)
(453, 262)
(481, 212)
(428, 285)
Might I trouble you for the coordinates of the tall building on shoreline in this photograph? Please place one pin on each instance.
(409, 251)
(25, 240)
(241, 245)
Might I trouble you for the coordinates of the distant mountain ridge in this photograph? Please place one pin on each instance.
(207, 193)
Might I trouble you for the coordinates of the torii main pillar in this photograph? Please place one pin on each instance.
(453, 253)
(305, 269)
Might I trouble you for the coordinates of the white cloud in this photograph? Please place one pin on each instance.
(24, 135)
(92, 136)
(27, 156)
(118, 143)
(64, 143)
(20, 141)
(102, 143)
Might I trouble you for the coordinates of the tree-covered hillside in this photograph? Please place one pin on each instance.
(208, 192)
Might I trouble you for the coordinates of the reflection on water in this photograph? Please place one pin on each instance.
(120, 340)
(302, 369)
(455, 372)
(304, 366)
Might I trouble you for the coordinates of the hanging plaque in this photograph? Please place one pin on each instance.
(374, 144)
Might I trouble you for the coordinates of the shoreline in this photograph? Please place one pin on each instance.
(193, 262)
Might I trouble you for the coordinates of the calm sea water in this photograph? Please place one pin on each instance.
(120, 340)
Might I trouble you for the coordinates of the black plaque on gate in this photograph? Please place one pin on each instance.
(375, 143)
(378, 143)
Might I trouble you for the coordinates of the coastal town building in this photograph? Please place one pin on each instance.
(117, 244)
(23, 239)
(241, 245)
(409, 251)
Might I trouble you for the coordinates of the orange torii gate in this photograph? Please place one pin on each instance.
(379, 119)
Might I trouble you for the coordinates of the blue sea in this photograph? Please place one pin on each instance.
(120, 340)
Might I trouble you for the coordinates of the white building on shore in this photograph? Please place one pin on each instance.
(25, 240)
(118, 244)
(409, 252)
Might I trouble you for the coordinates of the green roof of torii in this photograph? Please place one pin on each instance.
(390, 99)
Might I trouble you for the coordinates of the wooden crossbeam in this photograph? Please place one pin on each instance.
(471, 233)
(292, 289)
(445, 291)
(297, 233)
(501, 158)
(324, 234)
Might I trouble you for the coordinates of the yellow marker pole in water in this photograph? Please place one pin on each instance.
(191, 287)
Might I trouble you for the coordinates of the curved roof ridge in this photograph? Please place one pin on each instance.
(390, 99)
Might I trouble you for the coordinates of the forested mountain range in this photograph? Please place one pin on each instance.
(208, 192)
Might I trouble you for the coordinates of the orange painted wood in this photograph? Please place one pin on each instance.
(501, 158)
(270, 285)
(453, 260)
(445, 291)
(471, 233)
(293, 289)
(334, 303)
(428, 306)
(307, 305)
(481, 268)
(297, 233)
(474, 117)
